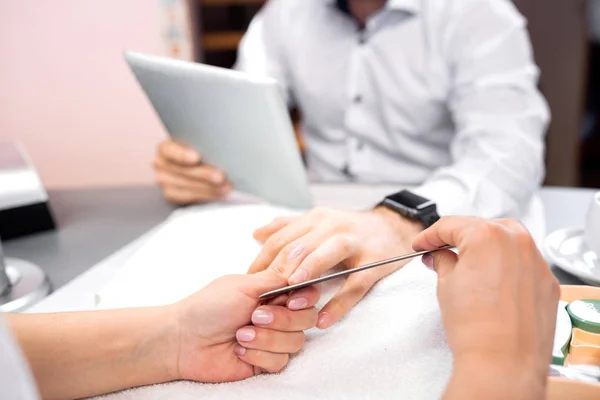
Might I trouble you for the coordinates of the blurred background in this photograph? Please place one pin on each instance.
(68, 96)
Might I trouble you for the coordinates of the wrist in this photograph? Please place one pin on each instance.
(498, 377)
(168, 339)
(408, 229)
(187, 358)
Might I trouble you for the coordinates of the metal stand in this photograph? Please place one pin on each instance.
(22, 284)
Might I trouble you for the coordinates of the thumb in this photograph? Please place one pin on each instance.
(263, 281)
(442, 262)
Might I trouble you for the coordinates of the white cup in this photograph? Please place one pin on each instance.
(592, 225)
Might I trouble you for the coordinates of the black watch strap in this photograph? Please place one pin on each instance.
(430, 218)
(413, 207)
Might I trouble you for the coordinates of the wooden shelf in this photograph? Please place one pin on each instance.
(220, 3)
(222, 41)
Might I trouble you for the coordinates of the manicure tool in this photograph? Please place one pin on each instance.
(287, 289)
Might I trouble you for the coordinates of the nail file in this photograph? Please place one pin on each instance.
(287, 289)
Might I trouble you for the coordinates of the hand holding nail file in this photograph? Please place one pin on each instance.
(287, 289)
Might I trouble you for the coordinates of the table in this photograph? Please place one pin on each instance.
(95, 223)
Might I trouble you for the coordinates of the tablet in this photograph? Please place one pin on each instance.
(239, 123)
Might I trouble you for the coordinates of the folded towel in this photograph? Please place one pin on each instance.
(390, 345)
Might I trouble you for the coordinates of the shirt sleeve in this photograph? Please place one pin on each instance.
(261, 51)
(499, 115)
(16, 381)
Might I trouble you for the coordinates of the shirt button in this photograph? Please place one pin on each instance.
(360, 145)
(362, 38)
(357, 99)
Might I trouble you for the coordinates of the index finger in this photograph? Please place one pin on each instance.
(274, 245)
(178, 153)
(447, 231)
(265, 232)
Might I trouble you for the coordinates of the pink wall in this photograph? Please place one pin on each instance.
(67, 94)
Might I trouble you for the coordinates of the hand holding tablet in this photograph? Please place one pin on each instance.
(237, 122)
(184, 178)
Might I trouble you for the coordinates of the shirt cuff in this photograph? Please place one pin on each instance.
(450, 196)
(479, 198)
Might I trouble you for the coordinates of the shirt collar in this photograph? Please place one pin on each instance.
(411, 6)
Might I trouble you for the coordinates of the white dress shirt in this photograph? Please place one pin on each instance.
(440, 95)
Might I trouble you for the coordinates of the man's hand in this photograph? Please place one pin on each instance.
(305, 247)
(223, 336)
(498, 300)
(184, 179)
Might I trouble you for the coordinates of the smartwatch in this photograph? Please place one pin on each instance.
(412, 206)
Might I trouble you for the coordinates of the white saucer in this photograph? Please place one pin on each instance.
(566, 249)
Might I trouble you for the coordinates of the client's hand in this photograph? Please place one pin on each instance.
(498, 300)
(305, 247)
(217, 342)
(184, 179)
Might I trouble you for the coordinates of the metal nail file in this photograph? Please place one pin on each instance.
(287, 289)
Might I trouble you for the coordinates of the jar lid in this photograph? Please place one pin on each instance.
(585, 315)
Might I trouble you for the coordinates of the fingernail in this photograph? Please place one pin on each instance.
(427, 259)
(191, 156)
(239, 350)
(262, 317)
(299, 276)
(296, 252)
(299, 303)
(245, 335)
(324, 321)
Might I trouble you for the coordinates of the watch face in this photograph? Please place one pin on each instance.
(410, 200)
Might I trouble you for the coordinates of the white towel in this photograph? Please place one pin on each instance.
(391, 345)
